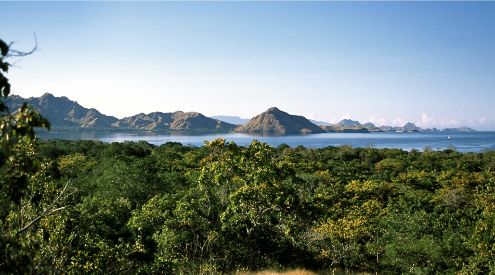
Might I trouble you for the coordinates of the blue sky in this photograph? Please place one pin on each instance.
(430, 63)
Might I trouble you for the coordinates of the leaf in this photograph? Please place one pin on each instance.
(4, 66)
(6, 90)
(4, 48)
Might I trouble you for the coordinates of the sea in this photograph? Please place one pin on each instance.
(460, 141)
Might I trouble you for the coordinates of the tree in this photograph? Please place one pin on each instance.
(22, 123)
(17, 164)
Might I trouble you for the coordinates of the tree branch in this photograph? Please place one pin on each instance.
(47, 212)
(44, 214)
(16, 53)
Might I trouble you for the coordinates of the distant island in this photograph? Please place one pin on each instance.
(67, 114)
(276, 122)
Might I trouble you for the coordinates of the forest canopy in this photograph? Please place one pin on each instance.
(135, 207)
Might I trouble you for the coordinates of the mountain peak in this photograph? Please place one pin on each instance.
(273, 109)
(275, 121)
(65, 113)
(47, 95)
(349, 122)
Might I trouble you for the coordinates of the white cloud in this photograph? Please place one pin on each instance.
(380, 121)
(345, 116)
(429, 121)
(399, 121)
(450, 122)
(426, 120)
(336, 120)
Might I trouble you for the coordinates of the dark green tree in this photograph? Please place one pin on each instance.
(17, 163)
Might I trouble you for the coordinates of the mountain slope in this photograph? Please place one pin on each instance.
(276, 122)
(319, 123)
(348, 123)
(152, 121)
(193, 120)
(63, 112)
(232, 119)
(177, 121)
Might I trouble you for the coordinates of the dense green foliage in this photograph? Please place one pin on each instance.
(221, 207)
(18, 160)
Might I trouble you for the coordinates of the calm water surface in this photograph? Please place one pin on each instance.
(461, 141)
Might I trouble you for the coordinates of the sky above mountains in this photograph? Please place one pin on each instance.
(386, 62)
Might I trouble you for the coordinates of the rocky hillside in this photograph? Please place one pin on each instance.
(65, 113)
(277, 122)
(177, 121)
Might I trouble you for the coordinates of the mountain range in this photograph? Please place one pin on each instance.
(68, 114)
(65, 113)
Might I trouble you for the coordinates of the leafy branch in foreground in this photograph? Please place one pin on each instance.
(20, 166)
(22, 123)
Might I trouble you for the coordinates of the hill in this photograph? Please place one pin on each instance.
(65, 113)
(276, 122)
(176, 121)
(349, 123)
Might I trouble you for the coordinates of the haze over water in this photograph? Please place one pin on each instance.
(460, 141)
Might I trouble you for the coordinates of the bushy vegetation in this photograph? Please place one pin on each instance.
(134, 207)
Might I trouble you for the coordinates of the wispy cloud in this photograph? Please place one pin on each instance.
(399, 121)
(429, 121)
(378, 121)
(424, 120)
